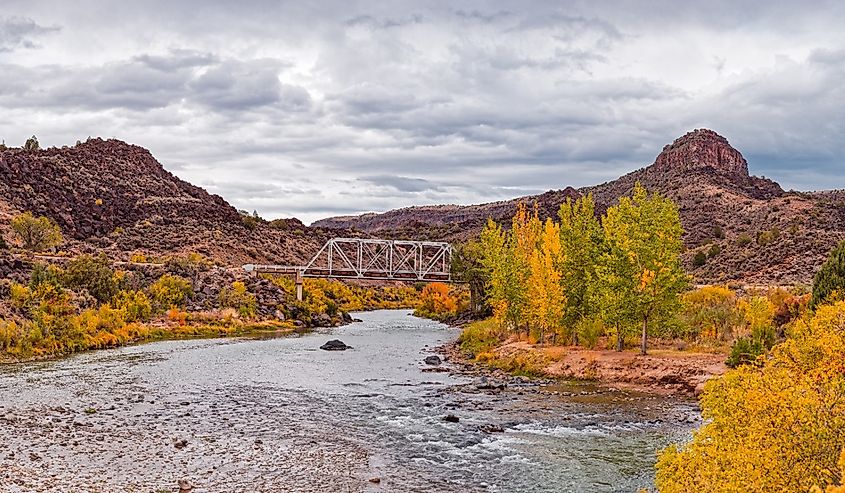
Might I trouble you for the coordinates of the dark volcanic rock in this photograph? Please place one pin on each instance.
(491, 428)
(111, 196)
(335, 345)
(451, 418)
(433, 360)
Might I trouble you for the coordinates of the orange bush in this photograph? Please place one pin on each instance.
(436, 299)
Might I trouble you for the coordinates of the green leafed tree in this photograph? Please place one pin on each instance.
(506, 293)
(581, 243)
(31, 144)
(616, 282)
(643, 233)
(829, 283)
(468, 266)
(36, 234)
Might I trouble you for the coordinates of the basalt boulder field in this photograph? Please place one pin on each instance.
(110, 196)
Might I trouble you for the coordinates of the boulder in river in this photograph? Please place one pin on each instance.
(335, 345)
(433, 360)
(451, 418)
(491, 428)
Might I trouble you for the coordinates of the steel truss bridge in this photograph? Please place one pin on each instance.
(359, 258)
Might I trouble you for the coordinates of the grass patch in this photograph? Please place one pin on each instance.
(480, 337)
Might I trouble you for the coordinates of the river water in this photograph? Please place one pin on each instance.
(281, 415)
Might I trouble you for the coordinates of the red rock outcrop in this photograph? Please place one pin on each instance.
(702, 148)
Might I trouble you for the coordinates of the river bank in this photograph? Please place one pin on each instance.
(664, 370)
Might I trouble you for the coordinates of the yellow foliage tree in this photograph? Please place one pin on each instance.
(777, 427)
(546, 298)
(525, 234)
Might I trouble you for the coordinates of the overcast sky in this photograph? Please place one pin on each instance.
(312, 109)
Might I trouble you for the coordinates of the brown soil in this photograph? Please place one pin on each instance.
(662, 371)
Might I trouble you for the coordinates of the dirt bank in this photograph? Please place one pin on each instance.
(662, 371)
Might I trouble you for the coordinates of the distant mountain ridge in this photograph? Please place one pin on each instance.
(722, 206)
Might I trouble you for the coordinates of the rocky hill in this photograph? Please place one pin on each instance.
(111, 196)
(444, 222)
(749, 228)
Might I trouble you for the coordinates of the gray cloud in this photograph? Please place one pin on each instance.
(314, 109)
(20, 32)
(401, 183)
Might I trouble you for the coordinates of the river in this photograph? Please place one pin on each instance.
(278, 415)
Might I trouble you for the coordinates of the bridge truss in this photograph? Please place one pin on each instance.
(360, 258)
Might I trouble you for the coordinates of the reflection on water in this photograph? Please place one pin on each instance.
(374, 399)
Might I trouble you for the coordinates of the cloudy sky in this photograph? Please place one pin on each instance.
(312, 109)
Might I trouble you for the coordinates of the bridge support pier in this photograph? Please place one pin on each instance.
(298, 282)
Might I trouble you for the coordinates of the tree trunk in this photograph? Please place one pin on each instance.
(619, 339)
(644, 346)
(575, 336)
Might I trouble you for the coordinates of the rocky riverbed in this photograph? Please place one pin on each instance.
(283, 415)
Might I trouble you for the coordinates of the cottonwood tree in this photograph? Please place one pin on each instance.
(581, 241)
(505, 293)
(546, 296)
(36, 234)
(524, 239)
(643, 234)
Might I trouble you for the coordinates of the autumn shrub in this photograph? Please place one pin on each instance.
(135, 305)
(767, 237)
(710, 312)
(36, 233)
(169, 291)
(714, 250)
(138, 258)
(776, 427)
(10, 335)
(759, 318)
(744, 240)
(438, 301)
(744, 351)
(699, 259)
(188, 266)
(788, 305)
(46, 274)
(527, 363)
(94, 274)
(239, 298)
